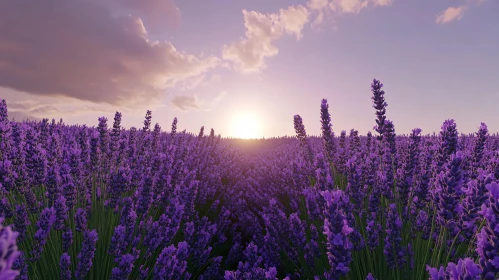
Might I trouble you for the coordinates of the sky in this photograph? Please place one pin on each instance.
(246, 67)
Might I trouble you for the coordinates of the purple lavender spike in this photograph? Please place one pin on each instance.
(337, 232)
(86, 255)
(124, 268)
(81, 220)
(8, 252)
(65, 266)
(45, 222)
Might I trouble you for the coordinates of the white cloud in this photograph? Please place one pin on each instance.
(451, 14)
(324, 10)
(355, 6)
(262, 30)
(294, 19)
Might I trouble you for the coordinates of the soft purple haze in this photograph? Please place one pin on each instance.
(205, 62)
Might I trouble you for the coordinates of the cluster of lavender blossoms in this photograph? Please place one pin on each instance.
(106, 202)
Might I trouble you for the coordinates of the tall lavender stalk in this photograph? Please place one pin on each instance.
(379, 104)
(336, 230)
(327, 132)
(301, 134)
(8, 252)
(86, 255)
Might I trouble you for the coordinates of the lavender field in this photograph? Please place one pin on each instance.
(106, 202)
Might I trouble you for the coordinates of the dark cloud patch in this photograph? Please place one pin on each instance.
(79, 49)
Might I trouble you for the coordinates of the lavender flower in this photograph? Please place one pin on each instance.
(118, 184)
(86, 255)
(373, 229)
(81, 220)
(336, 230)
(449, 190)
(147, 121)
(302, 137)
(476, 195)
(68, 187)
(393, 251)
(45, 221)
(5, 208)
(146, 193)
(488, 237)
(67, 239)
(4, 116)
(115, 134)
(479, 149)
(124, 268)
(174, 127)
(8, 252)
(65, 265)
(201, 133)
(214, 270)
(172, 262)
(118, 241)
(103, 135)
(343, 152)
(21, 222)
(61, 212)
(354, 188)
(407, 182)
(464, 269)
(31, 201)
(324, 179)
(436, 274)
(53, 184)
(327, 132)
(448, 143)
(21, 266)
(380, 105)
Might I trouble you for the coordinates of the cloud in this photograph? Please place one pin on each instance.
(80, 50)
(21, 116)
(351, 6)
(29, 109)
(451, 14)
(156, 14)
(294, 19)
(192, 83)
(262, 30)
(219, 97)
(325, 10)
(190, 103)
(22, 105)
(186, 103)
(355, 6)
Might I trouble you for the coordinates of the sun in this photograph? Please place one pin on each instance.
(246, 126)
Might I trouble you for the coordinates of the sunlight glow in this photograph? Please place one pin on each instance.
(246, 126)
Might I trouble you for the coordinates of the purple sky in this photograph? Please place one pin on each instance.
(216, 63)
